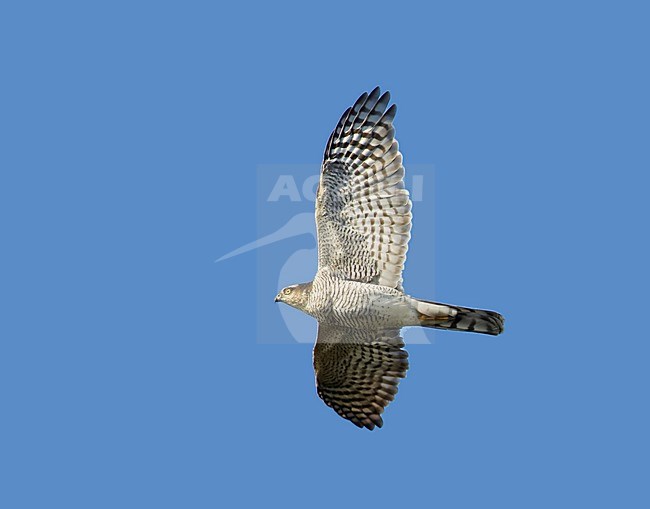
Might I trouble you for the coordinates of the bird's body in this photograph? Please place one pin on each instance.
(355, 304)
(363, 217)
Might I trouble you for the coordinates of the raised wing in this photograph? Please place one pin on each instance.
(363, 211)
(357, 371)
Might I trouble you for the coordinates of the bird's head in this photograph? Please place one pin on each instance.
(295, 295)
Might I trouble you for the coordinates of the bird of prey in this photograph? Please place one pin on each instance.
(363, 220)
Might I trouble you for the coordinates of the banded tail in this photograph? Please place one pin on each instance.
(446, 316)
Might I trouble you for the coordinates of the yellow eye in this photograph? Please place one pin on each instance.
(287, 291)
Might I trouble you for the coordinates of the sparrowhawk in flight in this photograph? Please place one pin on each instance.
(363, 219)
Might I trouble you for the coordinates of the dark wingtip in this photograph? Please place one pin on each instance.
(389, 116)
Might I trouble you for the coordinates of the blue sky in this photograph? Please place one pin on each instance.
(132, 371)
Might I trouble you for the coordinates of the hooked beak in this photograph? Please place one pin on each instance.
(277, 298)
